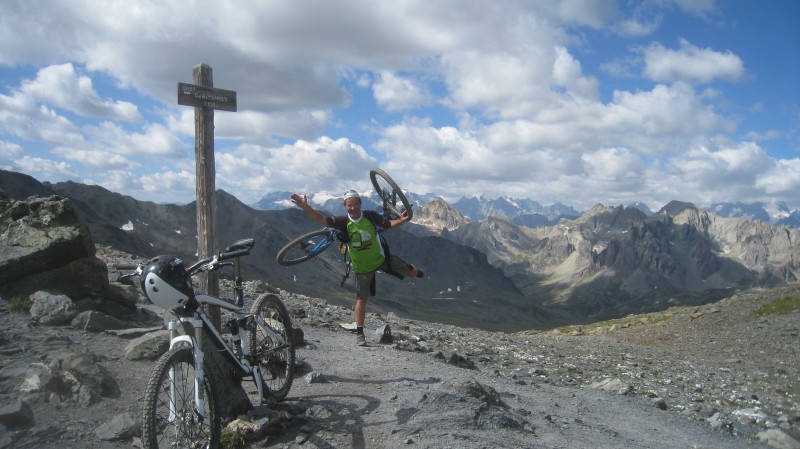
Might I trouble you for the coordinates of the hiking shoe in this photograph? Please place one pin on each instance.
(361, 340)
(420, 273)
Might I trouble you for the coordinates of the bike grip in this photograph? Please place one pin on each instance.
(232, 254)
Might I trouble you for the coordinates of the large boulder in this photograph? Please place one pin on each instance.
(43, 246)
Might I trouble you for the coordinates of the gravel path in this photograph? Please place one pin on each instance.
(377, 396)
(706, 377)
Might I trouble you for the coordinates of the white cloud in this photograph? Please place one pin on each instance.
(499, 85)
(767, 135)
(690, 63)
(534, 117)
(567, 72)
(396, 93)
(250, 171)
(638, 27)
(154, 140)
(97, 159)
(45, 169)
(9, 151)
(169, 184)
(592, 13)
(21, 117)
(782, 180)
(62, 87)
(697, 7)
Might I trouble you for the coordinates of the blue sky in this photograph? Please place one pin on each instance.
(572, 101)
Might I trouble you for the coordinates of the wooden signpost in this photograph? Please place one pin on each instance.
(205, 99)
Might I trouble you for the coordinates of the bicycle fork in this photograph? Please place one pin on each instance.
(199, 372)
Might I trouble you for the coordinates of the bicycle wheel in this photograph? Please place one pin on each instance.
(394, 200)
(169, 419)
(305, 247)
(275, 358)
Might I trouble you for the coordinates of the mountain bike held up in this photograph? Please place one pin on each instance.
(181, 404)
(312, 244)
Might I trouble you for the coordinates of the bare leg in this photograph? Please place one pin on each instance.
(361, 311)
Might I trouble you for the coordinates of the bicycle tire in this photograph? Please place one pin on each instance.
(277, 368)
(297, 251)
(390, 193)
(159, 430)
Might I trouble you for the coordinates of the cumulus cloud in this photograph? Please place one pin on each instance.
(496, 99)
(45, 169)
(9, 151)
(23, 118)
(97, 159)
(396, 93)
(251, 171)
(691, 63)
(591, 13)
(697, 7)
(62, 87)
(168, 184)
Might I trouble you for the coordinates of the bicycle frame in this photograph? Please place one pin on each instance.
(199, 322)
(269, 360)
(324, 243)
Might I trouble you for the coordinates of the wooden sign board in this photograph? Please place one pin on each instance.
(206, 97)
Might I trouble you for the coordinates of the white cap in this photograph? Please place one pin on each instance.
(351, 194)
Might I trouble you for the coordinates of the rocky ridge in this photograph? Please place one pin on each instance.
(715, 376)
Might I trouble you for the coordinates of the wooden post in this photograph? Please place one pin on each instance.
(206, 174)
(205, 99)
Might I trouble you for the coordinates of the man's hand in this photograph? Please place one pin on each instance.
(300, 200)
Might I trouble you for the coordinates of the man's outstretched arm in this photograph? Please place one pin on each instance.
(302, 202)
(397, 222)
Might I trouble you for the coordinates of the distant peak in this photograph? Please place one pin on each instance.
(674, 208)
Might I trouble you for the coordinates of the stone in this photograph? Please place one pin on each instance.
(149, 346)
(94, 321)
(610, 384)
(44, 246)
(778, 439)
(17, 414)
(51, 309)
(40, 234)
(461, 361)
(87, 371)
(120, 427)
(315, 377)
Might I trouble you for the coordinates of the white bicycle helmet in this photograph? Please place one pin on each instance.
(166, 282)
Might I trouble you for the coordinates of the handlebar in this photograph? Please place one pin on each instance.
(232, 254)
(238, 249)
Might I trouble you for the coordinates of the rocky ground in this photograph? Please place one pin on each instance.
(717, 376)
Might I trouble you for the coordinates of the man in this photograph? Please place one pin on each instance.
(366, 252)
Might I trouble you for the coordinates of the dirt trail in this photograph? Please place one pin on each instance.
(380, 397)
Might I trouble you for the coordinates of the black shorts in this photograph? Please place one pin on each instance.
(365, 282)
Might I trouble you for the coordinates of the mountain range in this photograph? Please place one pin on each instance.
(527, 212)
(492, 273)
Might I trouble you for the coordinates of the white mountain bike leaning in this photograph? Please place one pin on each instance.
(181, 404)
